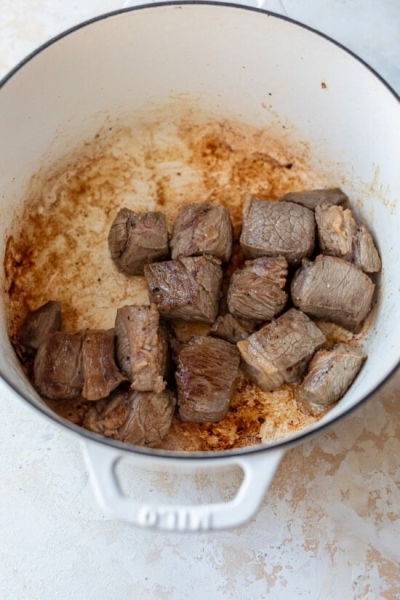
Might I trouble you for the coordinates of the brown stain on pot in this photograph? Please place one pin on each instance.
(58, 249)
(253, 416)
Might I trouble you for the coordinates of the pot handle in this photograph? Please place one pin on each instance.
(258, 469)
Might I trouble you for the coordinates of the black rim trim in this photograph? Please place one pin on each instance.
(285, 444)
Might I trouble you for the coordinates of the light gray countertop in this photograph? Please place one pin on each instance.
(328, 529)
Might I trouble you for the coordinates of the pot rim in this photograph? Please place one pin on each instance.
(209, 454)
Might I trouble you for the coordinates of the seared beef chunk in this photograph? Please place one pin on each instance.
(227, 328)
(186, 289)
(277, 229)
(336, 229)
(313, 198)
(38, 323)
(141, 418)
(280, 351)
(149, 419)
(332, 289)
(136, 239)
(338, 235)
(365, 253)
(100, 373)
(109, 414)
(330, 375)
(141, 347)
(256, 291)
(57, 367)
(206, 373)
(202, 228)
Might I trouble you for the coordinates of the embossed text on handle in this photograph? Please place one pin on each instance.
(178, 519)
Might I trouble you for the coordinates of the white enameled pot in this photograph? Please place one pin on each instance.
(226, 58)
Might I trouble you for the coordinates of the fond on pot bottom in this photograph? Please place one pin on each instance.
(61, 252)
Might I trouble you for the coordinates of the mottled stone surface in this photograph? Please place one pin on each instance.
(328, 529)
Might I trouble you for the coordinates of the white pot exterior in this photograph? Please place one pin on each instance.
(228, 60)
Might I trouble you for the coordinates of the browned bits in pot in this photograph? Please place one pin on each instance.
(73, 211)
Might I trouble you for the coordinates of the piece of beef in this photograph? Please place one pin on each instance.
(280, 351)
(256, 291)
(100, 373)
(277, 229)
(136, 239)
(109, 414)
(313, 198)
(206, 371)
(149, 419)
(366, 256)
(329, 376)
(202, 228)
(336, 229)
(58, 366)
(38, 323)
(186, 289)
(228, 328)
(141, 418)
(141, 347)
(332, 289)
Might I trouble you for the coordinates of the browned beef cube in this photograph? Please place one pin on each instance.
(38, 323)
(329, 376)
(228, 328)
(336, 229)
(141, 347)
(255, 292)
(205, 375)
(332, 289)
(57, 367)
(338, 235)
(108, 415)
(149, 419)
(141, 418)
(313, 198)
(186, 289)
(136, 239)
(202, 228)
(100, 373)
(366, 256)
(280, 351)
(277, 229)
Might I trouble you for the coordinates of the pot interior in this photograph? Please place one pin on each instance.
(212, 63)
